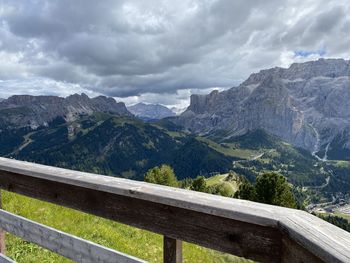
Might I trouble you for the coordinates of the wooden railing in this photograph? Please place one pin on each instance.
(251, 230)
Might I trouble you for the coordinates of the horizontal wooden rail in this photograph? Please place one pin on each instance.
(252, 230)
(66, 245)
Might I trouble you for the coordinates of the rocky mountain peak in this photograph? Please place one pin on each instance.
(200, 104)
(35, 111)
(24, 100)
(329, 68)
(307, 105)
(76, 98)
(150, 111)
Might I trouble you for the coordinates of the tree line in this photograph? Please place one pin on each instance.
(269, 188)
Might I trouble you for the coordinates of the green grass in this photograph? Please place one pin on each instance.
(229, 149)
(347, 217)
(233, 185)
(174, 134)
(216, 179)
(129, 240)
(342, 164)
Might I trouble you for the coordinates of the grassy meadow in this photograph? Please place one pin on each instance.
(129, 240)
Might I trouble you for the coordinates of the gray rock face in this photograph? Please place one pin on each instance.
(33, 111)
(307, 105)
(150, 111)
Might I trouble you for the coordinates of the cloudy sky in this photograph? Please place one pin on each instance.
(159, 51)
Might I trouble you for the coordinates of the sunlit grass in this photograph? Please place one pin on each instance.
(345, 216)
(129, 240)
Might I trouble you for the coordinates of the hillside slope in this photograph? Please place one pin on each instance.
(117, 146)
(127, 147)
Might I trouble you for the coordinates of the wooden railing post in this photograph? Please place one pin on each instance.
(2, 232)
(172, 250)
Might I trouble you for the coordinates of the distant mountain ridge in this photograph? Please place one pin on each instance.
(307, 105)
(34, 111)
(150, 111)
(113, 145)
(128, 147)
(93, 135)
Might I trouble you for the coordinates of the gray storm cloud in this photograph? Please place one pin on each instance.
(148, 49)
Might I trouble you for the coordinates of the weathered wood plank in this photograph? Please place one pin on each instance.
(235, 226)
(172, 250)
(4, 259)
(294, 253)
(240, 210)
(69, 246)
(220, 233)
(318, 237)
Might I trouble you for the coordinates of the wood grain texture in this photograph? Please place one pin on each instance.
(220, 233)
(172, 250)
(323, 240)
(241, 210)
(239, 227)
(294, 253)
(62, 243)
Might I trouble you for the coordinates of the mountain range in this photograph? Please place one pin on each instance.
(307, 105)
(286, 120)
(150, 111)
(21, 111)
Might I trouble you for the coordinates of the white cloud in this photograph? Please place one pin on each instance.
(41, 86)
(159, 50)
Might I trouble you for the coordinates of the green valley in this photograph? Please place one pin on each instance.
(127, 147)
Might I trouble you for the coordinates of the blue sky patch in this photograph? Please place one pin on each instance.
(307, 53)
